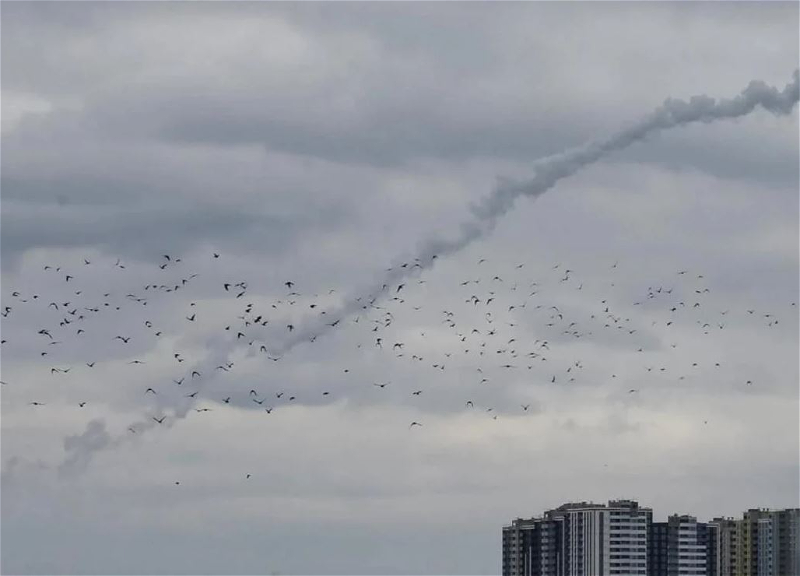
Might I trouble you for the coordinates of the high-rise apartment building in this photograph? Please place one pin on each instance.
(726, 546)
(578, 539)
(532, 548)
(778, 546)
(681, 546)
(621, 539)
(747, 543)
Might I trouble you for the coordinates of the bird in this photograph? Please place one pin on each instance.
(414, 424)
(159, 420)
(150, 390)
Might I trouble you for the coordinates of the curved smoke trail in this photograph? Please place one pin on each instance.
(548, 172)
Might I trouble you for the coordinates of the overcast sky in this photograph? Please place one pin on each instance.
(322, 144)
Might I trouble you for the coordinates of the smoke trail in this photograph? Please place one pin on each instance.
(548, 172)
(80, 448)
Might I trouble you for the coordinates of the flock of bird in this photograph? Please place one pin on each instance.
(476, 333)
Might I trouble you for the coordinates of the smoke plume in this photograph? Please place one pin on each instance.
(548, 172)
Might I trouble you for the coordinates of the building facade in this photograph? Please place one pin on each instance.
(726, 546)
(580, 538)
(621, 539)
(682, 546)
(778, 546)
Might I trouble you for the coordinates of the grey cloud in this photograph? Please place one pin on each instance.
(323, 144)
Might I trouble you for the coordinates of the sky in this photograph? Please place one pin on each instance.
(323, 144)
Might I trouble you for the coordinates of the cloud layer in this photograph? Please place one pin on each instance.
(323, 144)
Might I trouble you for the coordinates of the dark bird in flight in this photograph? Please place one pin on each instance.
(414, 424)
(160, 421)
